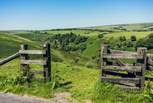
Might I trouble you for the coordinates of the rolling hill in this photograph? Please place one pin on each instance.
(77, 68)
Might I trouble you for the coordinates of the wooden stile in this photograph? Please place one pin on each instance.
(45, 62)
(136, 72)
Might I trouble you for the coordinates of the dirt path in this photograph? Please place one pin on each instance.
(11, 98)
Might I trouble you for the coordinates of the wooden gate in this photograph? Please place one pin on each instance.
(130, 75)
(45, 62)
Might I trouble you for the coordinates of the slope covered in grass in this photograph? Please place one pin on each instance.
(10, 43)
(74, 71)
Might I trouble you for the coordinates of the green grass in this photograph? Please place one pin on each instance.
(10, 44)
(93, 47)
(138, 35)
(77, 77)
(83, 83)
(81, 79)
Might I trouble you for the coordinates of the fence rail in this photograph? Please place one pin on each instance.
(123, 68)
(31, 51)
(6, 60)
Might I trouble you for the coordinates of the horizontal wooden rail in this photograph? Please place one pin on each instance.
(115, 73)
(9, 58)
(121, 80)
(128, 56)
(150, 55)
(123, 68)
(31, 51)
(40, 62)
(122, 52)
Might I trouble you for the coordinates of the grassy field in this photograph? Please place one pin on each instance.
(80, 78)
(139, 35)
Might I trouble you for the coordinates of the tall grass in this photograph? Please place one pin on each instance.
(109, 93)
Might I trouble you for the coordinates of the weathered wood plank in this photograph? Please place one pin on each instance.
(117, 56)
(24, 67)
(124, 54)
(141, 51)
(104, 50)
(47, 67)
(9, 58)
(123, 68)
(121, 80)
(150, 55)
(114, 73)
(119, 62)
(31, 51)
(40, 62)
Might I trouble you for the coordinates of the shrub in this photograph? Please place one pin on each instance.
(100, 35)
(133, 38)
(122, 38)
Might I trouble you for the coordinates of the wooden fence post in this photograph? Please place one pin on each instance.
(47, 57)
(142, 53)
(104, 51)
(24, 67)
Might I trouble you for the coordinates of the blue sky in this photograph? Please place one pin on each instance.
(47, 14)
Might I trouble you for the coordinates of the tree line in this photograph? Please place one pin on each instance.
(69, 42)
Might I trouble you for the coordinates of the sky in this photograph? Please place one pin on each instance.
(50, 14)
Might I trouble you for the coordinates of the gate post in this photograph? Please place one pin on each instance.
(104, 51)
(47, 66)
(142, 53)
(24, 67)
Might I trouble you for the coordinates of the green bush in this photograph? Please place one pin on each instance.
(100, 35)
(146, 42)
(133, 38)
(122, 38)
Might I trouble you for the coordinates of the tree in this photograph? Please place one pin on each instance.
(100, 35)
(122, 38)
(133, 38)
(69, 42)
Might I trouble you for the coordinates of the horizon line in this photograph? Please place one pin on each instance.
(79, 27)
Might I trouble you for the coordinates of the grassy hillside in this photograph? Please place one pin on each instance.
(10, 43)
(73, 71)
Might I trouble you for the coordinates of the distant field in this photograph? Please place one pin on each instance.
(128, 34)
